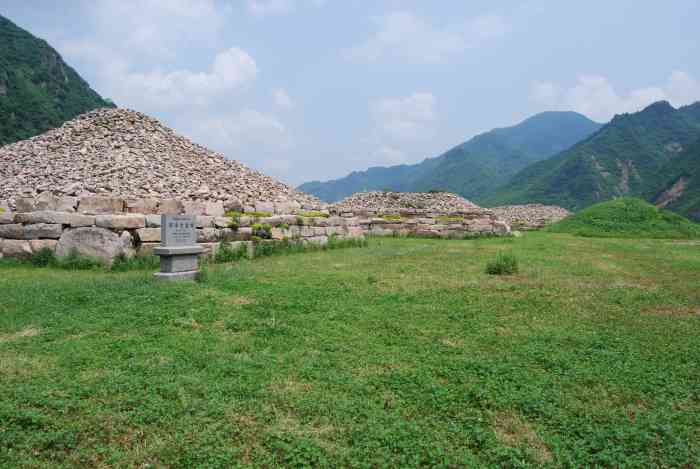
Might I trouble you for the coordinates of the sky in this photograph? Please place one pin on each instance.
(313, 89)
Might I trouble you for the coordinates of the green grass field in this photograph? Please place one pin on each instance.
(404, 353)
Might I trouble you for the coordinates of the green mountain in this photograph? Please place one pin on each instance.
(626, 217)
(38, 91)
(473, 168)
(652, 154)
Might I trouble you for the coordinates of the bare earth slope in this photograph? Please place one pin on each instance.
(126, 153)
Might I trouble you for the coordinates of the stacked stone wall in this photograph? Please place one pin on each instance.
(107, 227)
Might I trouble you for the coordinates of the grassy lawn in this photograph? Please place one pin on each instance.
(401, 354)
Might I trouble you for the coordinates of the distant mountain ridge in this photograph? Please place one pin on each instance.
(473, 168)
(38, 90)
(653, 154)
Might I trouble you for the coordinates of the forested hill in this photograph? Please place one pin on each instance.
(473, 168)
(653, 154)
(38, 90)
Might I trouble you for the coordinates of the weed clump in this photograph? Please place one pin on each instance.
(505, 264)
(228, 253)
(313, 214)
(44, 257)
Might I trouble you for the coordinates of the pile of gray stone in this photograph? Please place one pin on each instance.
(530, 216)
(122, 153)
(439, 202)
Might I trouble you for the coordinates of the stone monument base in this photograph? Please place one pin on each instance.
(178, 262)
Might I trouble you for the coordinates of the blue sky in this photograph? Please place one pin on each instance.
(313, 89)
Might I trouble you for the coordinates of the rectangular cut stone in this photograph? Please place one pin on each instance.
(77, 220)
(222, 222)
(12, 231)
(100, 205)
(145, 206)
(204, 221)
(47, 201)
(170, 207)
(42, 231)
(67, 204)
(120, 222)
(152, 221)
(39, 244)
(265, 207)
(149, 235)
(18, 249)
(194, 207)
(207, 235)
(214, 209)
(178, 230)
(6, 218)
(44, 216)
(25, 204)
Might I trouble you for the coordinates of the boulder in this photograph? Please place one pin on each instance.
(120, 222)
(95, 242)
(46, 201)
(100, 205)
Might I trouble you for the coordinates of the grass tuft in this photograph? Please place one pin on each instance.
(505, 264)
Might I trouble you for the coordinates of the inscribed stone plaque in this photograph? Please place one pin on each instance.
(178, 230)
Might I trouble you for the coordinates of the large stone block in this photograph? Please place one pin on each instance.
(170, 207)
(100, 205)
(214, 209)
(46, 201)
(204, 221)
(145, 206)
(153, 221)
(25, 204)
(12, 231)
(18, 249)
(120, 222)
(194, 207)
(77, 220)
(148, 235)
(95, 242)
(39, 244)
(7, 218)
(222, 222)
(208, 235)
(265, 207)
(42, 231)
(44, 216)
(67, 204)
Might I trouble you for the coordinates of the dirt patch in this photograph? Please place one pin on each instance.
(290, 385)
(26, 332)
(456, 343)
(238, 300)
(511, 430)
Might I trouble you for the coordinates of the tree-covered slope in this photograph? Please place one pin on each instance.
(681, 191)
(636, 154)
(38, 91)
(472, 168)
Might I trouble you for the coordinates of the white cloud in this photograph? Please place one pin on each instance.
(405, 36)
(245, 129)
(595, 96)
(282, 99)
(408, 118)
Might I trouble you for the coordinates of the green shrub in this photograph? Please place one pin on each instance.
(391, 217)
(44, 257)
(227, 253)
(233, 214)
(505, 264)
(2, 210)
(76, 261)
(257, 214)
(123, 263)
(313, 214)
(450, 218)
(262, 230)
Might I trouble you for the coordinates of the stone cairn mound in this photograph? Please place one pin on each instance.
(122, 153)
(530, 216)
(441, 202)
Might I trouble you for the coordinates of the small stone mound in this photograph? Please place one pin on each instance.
(122, 153)
(443, 202)
(530, 216)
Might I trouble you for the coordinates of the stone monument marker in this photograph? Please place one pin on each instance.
(178, 249)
